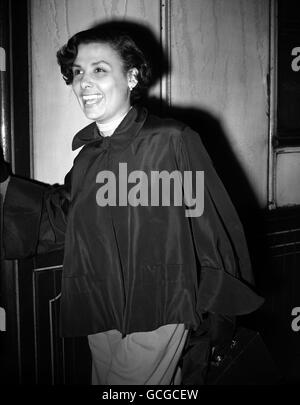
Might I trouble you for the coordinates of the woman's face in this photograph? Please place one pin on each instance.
(99, 82)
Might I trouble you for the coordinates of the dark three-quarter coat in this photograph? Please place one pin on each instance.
(134, 268)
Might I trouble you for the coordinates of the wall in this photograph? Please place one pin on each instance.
(219, 53)
(220, 57)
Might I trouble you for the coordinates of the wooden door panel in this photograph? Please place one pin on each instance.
(58, 360)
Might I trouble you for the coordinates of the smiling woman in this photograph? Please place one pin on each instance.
(108, 72)
(136, 279)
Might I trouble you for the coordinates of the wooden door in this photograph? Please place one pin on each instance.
(31, 350)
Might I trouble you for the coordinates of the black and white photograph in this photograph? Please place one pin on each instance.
(150, 196)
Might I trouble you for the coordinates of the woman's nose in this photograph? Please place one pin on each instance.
(86, 82)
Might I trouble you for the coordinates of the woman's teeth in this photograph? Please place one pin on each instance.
(91, 99)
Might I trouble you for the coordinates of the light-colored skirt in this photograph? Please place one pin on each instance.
(141, 358)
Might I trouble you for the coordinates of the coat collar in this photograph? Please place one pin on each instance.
(124, 133)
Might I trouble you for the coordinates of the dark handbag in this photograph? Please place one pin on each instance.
(247, 361)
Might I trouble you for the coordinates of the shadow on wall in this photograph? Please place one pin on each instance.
(145, 40)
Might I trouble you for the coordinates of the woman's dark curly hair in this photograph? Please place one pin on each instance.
(131, 55)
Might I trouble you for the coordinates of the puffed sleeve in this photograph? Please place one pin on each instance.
(35, 217)
(225, 279)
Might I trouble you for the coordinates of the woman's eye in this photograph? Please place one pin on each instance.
(77, 72)
(99, 70)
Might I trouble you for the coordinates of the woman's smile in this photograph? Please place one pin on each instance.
(92, 99)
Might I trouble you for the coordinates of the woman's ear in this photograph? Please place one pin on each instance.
(132, 78)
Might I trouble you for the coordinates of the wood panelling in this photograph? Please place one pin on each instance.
(220, 65)
(46, 283)
(280, 282)
(57, 360)
(287, 166)
(44, 357)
